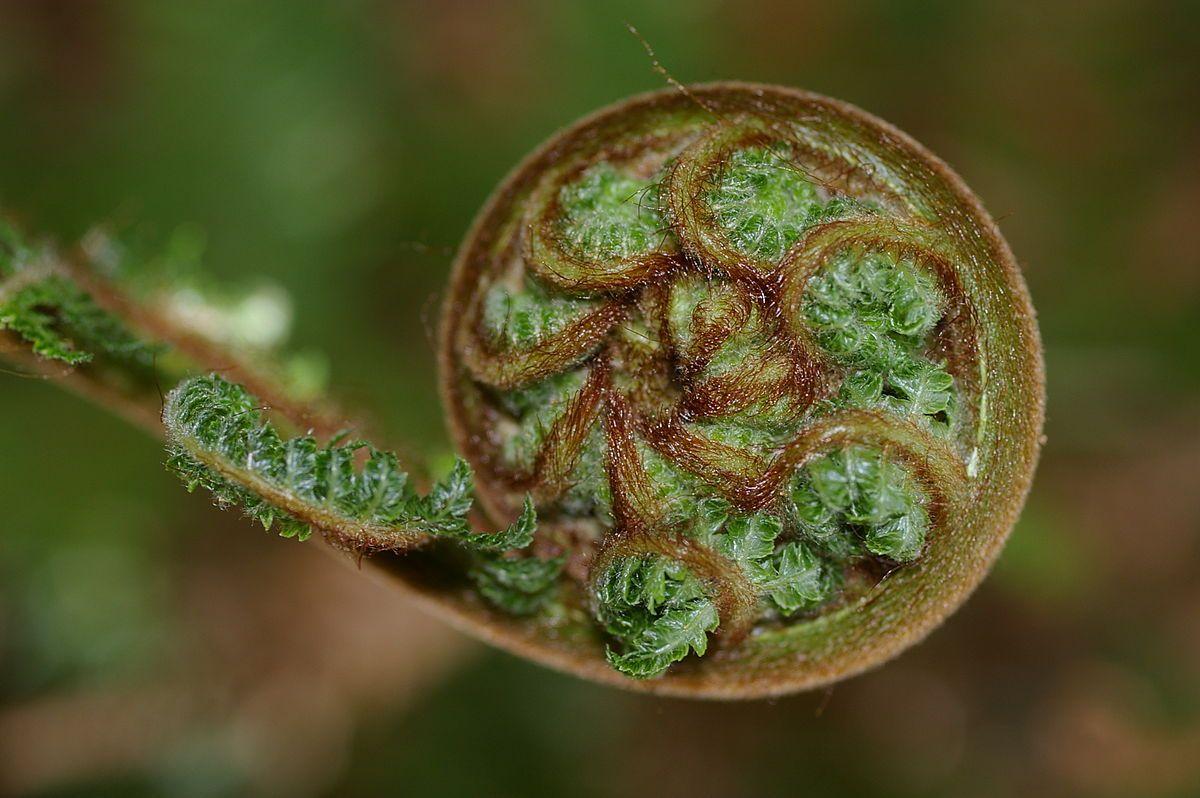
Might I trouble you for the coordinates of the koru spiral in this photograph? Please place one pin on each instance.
(770, 374)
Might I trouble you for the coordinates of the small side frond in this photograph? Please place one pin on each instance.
(521, 586)
(658, 611)
(41, 305)
(220, 440)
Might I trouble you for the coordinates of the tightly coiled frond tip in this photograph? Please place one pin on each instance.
(752, 351)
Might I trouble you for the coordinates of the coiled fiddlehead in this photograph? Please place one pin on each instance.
(770, 374)
(763, 367)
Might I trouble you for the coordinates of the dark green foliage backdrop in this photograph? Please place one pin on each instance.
(149, 645)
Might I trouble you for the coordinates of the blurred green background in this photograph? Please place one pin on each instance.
(150, 645)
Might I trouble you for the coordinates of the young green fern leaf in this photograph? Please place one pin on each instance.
(874, 314)
(764, 366)
(746, 347)
(791, 574)
(219, 440)
(612, 214)
(856, 502)
(764, 202)
(657, 609)
(59, 320)
(518, 585)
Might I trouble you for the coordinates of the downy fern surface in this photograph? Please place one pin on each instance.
(707, 370)
(747, 380)
(354, 494)
(731, 344)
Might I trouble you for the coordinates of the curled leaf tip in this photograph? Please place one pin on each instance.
(746, 347)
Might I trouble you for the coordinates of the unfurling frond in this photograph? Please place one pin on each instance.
(58, 319)
(220, 440)
(763, 365)
(658, 611)
(746, 347)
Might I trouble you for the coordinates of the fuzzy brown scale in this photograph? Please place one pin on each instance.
(640, 386)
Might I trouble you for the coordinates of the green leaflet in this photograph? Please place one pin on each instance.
(792, 574)
(58, 319)
(801, 580)
(220, 441)
(61, 322)
(748, 540)
(521, 586)
(856, 501)
(523, 319)
(764, 202)
(658, 611)
(608, 214)
(874, 313)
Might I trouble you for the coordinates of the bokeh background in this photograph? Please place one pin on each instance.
(150, 645)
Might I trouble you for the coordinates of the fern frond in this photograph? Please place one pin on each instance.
(220, 440)
(857, 500)
(749, 347)
(60, 321)
(658, 611)
(521, 586)
(792, 574)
